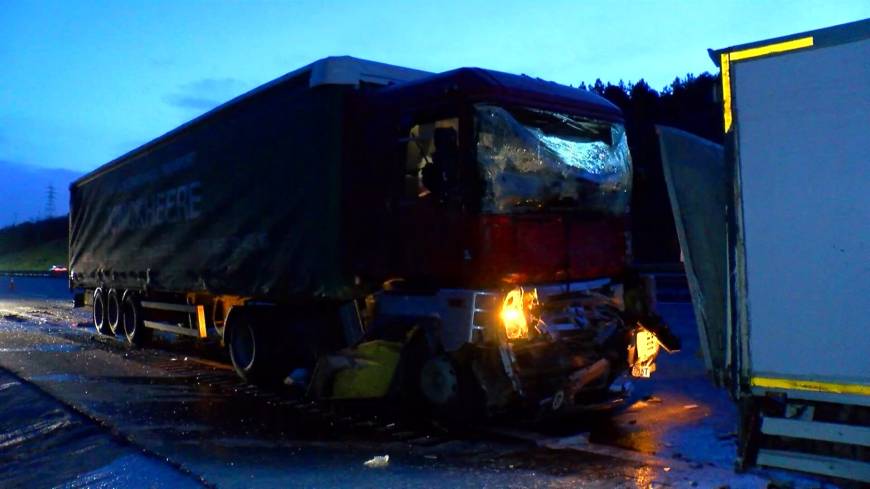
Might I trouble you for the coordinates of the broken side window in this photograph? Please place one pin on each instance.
(432, 158)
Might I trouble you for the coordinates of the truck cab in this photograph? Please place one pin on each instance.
(531, 179)
(501, 203)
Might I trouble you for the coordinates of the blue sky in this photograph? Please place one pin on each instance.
(82, 82)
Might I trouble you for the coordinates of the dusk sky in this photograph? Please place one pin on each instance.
(83, 82)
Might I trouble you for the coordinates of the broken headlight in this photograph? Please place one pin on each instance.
(516, 313)
(642, 352)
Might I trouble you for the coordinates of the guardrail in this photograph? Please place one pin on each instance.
(34, 273)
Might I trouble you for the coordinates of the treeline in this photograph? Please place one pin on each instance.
(689, 104)
(14, 239)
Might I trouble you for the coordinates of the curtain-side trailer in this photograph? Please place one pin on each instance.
(468, 226)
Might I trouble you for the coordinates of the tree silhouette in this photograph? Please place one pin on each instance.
(688, 104)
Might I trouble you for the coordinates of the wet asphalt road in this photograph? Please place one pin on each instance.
(35, 428)
(80, 410)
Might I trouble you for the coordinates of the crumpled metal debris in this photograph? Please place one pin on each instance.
(378, 462)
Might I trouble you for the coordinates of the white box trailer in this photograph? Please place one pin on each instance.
(782, 289)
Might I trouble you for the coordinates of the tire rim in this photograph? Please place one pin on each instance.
(243, 347)
(113, 312)
(128, 320)
(99, 316)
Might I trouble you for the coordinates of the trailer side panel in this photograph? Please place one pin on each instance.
(801, 121)
(245, 202)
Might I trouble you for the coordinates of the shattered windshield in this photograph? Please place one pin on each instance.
(535, 159)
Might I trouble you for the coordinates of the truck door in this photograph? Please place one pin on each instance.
(429, 209)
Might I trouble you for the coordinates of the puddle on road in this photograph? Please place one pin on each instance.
(27, 432)
(58, 347)
(11, 316)
(43, 444)
(126, 471)
(58, 378)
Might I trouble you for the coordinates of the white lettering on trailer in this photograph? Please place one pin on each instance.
(178, 204)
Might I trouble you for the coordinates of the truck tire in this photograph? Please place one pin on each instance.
(451, 392)
(100, 321)
(440, 385)
(113, 311)
(439, 381)
(254, 351)
(131, 321)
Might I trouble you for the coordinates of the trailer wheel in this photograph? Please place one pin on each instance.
(253, 350)
(113, 311)
(131, 321)
(100, 312)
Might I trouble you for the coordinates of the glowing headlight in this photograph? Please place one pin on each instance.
(515, 312)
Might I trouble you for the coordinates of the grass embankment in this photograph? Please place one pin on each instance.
(34, 246)
(37, 258)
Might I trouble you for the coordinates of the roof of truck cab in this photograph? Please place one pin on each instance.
(334, 70)
(482, 85)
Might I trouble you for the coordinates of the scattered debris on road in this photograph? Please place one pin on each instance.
(378, 462)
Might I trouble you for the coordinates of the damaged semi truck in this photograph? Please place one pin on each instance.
(457, 238)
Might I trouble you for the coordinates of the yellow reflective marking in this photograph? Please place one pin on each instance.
(810, 385)
(727, 58)
(779, 47)
(726, 90)
(200, 319)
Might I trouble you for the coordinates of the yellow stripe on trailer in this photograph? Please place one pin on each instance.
(778, 47)
(727, 58)
(726, 90)
(810, 385)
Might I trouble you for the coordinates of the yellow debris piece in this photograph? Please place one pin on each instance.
(370, 373)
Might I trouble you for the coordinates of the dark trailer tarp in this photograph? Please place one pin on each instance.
(244, 203)
(243, 200)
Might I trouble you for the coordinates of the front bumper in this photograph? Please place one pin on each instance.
(581, 346)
